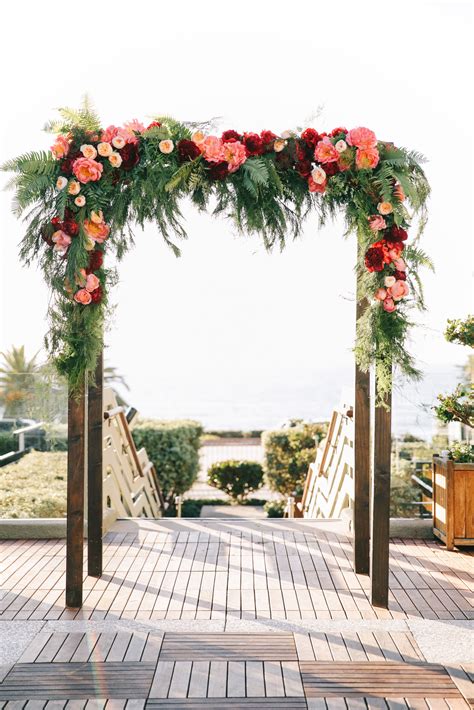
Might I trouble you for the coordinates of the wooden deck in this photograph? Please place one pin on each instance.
(232, 614)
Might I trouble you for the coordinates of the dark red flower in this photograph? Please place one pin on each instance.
(218, 171)
(302, 150)
(71, 227)
(331, 168)
(335, 132)
(130, 156)
(304, 168)
(374, 259)
(56, 221)
(267, 137)
(398, 246)
(188, 150)
(96, 259)
(66, 165)
(96, 295)
(253, 143)
(231, 136)
(153, 124)
(284, 159)
(397, 234)
(400, 275)
(310, 136)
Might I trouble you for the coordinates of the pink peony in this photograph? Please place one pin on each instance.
(60, 148)
(92, 282)
(361, 138)
(87, 170)
(235, 154)
(61, 241)
(381, 294)
(376, 223)
(83, 296)
(399, 264)
(399, 290)
(134, 125)
(367, 158)
(325, 152)
(389, 305)
(212, 149)
(96, 231)
(124, 132)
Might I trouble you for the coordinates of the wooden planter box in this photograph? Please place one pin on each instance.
(453, 502)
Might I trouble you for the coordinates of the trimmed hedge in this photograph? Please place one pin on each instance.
(288, 453)
(173, 446)
(236, 478)
(8, 442)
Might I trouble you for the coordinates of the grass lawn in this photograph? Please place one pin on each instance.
(34, 487)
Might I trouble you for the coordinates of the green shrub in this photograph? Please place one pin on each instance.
(8, 442)
(233, 434)
(237, 478)
(34, 487)
(173, 446)
(275, 508)
(288, 453)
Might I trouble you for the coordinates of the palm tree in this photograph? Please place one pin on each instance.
(17, 380)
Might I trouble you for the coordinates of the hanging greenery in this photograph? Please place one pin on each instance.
(88, 193)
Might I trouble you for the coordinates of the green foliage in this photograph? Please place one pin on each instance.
(461, 452)
(288, 453)
(34, 487)
(8, 442)
(275, 508)
(173, 446)
(461, 331)
(236, 478)
(457, 406)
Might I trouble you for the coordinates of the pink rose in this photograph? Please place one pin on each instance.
(83, 296)
(381, 294)
(367, 158)
(389, 305)
(60, 148)
(212, 149)
(325, 152)
(235, 154)
(399, 264)
(361, 138)
(87, 170)
(92, 282)
(377, 222)
(399, 290)
(61, 241)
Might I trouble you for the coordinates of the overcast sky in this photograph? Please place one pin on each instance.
(226, 310)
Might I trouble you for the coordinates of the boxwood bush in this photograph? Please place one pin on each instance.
(236, 478)
(173, 446)
(288, 453)
(8, 442)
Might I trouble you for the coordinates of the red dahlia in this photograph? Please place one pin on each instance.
(70, 226)
(253, 143)
(231, 136)
(187, 150)
(331, 168)
(96, 259)
(397, 234)
(304, 168)
(335, 132)
(311, 137)
(400, 275)
(130, 156)
(96, 295)
(374, 259)
(218, 171)
(267, 137)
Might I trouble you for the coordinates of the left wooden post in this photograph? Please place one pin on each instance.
(76, 469)
(95, 416)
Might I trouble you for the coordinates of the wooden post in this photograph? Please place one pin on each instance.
(381, 504)
(361, 465)
(76, 461)
(95, 446)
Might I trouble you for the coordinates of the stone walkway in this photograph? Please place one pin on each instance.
(235, 614)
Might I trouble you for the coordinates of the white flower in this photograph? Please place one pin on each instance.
(319, 176)
(61, 182)
(166, 146)
(341, 146)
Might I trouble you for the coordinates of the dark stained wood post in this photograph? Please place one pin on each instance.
(361, 521)
(381, 504)
(76, 462)
(95, 415)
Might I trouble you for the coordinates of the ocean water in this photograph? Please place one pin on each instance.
(266, 402)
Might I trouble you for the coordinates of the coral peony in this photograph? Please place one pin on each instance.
(60, 147)
(361, 138)
(88, 151)
(97, 232)
(325, 152)
(385, 208)
(377, 222)
(389, 305)
(87, 170)
(166, 146)
(61, 182)
(319, 176)
(235, 154)
(82, 296)
(104, 149)
(367, 158)
(212, 149)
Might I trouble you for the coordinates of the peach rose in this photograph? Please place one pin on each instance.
(80, 201)
(385, 208)
(362, 138)
(92, 282)
(212, 149)
(97, 232)
(115, 159)
(88, 151)
(60, 148)
(341, 146)
(389, 305)
(118, 142)
(325, 152)
(198, 137)
(398, 192)
(376, 223)
(399, 264)
(279, 145)
(399, 290)
(74, 187)
(381, 294)
(97, 217)
(319, 176)
(104, 149)
(83, 297)
(389, 281)
(61, 182)
(235, 154)
(61, 241)
(367, 158)
(87, 170)
(166, 146)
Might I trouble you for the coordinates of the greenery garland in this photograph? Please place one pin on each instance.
(95, 185)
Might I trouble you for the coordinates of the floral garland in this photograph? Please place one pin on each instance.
(96, 183)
